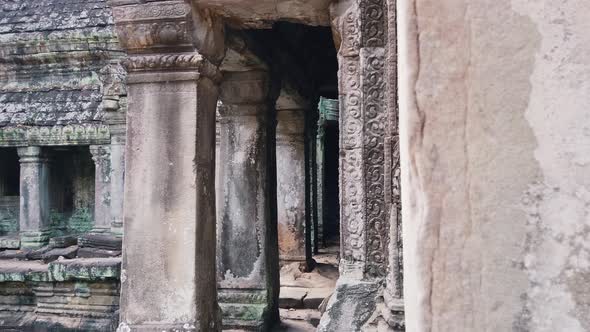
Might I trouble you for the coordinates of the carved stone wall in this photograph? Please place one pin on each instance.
(65, 295)
(60, 80)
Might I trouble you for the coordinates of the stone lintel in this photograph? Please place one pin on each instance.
(82, 134)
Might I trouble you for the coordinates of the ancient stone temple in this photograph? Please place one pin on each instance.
(294, 165)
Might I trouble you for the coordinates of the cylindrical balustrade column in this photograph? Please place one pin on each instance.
(34, 197)
(101, 154)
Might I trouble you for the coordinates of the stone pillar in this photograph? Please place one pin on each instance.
(364, 202)
(168, 272)
(393, 295)
(247, 246)
(291, 185)
(495, 163)
(319, 141)
(117, 181)
(34, 197)
(101, 154)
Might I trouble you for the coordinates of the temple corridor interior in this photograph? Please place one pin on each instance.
(294, 165)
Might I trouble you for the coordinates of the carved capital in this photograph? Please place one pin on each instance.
(31, 155)
(290, 126)
(168, 27)
(250, 87)
(153, 25)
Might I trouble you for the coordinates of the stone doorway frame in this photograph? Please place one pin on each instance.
(162, 41)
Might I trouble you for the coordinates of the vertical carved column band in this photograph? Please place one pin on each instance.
(352, 198)
(374, 123)
(365, 194)
(34, 197)
(101, 154)
(168, 273)
(372, 58)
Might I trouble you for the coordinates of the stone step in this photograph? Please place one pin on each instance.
(302, 297)
(100, 241)
(54, 254)
(63, 241)
(315, 297)
(292, 297)
(97, 253)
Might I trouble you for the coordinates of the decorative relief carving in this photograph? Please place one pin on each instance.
(352, 125)
(350, 31)
(151, 11)
(373, 25)
(101, 155)
(153, 35)
(351, 128)
(154, 25)
(363, 122)
(375, 119)
(56, 135)
(166, 61)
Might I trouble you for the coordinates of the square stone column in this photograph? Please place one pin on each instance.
(101, 154)
(293, 245)
(247, 246)
(34, 197)
(168, 273)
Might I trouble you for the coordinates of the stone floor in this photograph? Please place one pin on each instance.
(304, 295)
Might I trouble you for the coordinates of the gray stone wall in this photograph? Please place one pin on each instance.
(68, 295)
(55, 68)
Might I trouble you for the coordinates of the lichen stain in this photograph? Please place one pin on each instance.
(557, 206)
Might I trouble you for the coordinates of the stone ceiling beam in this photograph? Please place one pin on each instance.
(260, 14)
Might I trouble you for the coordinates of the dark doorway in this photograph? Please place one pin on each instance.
(9, 172)
(331, 211)
(9, 190)
(72, 189)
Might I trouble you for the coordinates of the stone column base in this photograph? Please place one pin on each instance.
(351, 305)
(34, 239)
(117, 226)
(244, 309)
(394, 313)
(180, 327)
(101, 230)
